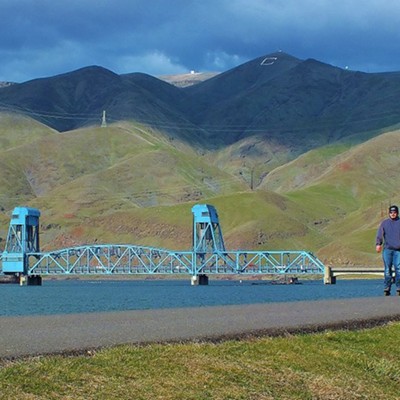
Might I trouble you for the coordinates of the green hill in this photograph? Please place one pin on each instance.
(351, 188)
(94, 173)
(130, 184)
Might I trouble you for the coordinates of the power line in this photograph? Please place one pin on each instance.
(270, 127)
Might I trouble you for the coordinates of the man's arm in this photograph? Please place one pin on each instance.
(379, 238)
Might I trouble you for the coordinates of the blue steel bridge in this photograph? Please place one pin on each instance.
(23, 259)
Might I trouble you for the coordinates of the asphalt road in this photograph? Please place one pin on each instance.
(27, 336)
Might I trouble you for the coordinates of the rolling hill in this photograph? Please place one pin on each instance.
(77, 99)
(277, 104)
(294, 154)
(128, 184)
(300, 104)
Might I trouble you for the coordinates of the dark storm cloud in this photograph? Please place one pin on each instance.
(43, 37)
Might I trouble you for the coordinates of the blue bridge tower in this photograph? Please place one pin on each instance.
(207, 234)
(207, 237)
(22, 238)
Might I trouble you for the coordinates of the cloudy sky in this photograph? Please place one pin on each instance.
(41, 38)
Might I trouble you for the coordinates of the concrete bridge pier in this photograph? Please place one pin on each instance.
(30, 280)
(329, 277)
(201, 279)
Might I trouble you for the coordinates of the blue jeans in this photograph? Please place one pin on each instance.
(391, 258)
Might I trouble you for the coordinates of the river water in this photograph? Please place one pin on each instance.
(76, 296)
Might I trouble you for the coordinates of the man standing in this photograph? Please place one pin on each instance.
(389, 235)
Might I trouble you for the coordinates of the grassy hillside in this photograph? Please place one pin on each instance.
(82, 175)
(16, 130)
(251, 159)
(350, 188)
(131, 184)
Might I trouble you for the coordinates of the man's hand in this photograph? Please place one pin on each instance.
(378, 248)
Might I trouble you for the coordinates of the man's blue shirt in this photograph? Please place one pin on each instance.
(389, 234)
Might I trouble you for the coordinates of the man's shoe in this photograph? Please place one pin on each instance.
(387, 292)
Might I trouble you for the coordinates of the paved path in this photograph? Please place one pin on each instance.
(23, 336)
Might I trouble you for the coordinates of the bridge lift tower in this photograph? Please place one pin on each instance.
(207, 236)
(22, 238)
(207, 233)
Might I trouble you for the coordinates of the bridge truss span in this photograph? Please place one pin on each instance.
(258, 263)
(129, 259)
(110, 259)
(23, 258)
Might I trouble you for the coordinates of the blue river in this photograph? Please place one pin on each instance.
(76, 296)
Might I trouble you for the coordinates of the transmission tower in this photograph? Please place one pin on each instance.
(103, 120)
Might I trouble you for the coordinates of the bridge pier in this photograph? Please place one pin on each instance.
(30, 280)
(9, 278)
(201, 279)
(329, 277)
(330, 273)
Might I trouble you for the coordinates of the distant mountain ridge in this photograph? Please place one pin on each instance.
(307, 103)
(76, 99)
(297, 104)
(260, 114)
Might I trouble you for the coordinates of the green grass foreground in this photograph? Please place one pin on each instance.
(330, 365)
